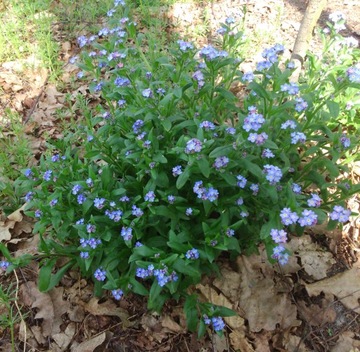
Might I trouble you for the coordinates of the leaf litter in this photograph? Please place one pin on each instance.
(311, 304)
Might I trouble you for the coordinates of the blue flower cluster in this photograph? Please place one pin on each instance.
(217, 322)
(162, 275)
(211, 194)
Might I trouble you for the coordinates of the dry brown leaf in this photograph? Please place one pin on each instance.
(315, 261)
(345, 286)
(108, 308)
(64, 339)
(229, 284)
(235, 322)
(315, 315)
(90, 345)
(347, 342)
(51, 306)
(5, 234)
(263, 306)
(170, 324)
(239, 342)
(17, 215)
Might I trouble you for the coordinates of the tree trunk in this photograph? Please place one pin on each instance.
(311, 16)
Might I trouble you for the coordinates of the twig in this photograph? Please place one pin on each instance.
(37, 100)
(18, 309)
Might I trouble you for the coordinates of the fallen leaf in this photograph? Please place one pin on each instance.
(347, 342)
(107, 308)
(315, 315)
(345, 286)
(90, 345)
(170, 324)
(315, 261)
(263, 306)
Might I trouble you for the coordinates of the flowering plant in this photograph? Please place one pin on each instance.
(171, 170)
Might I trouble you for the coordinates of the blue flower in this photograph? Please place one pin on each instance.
(28, 173)
(314, 201)
(126, 233)
(117, 294)
(218, 323)
(176, 170)
(248, 76)
(193, 146)
(55, 158)
(296, 188)
(99, 203)
(288, 217)
(258, 139)
(345, 141)
(340, 214)
(147, 93)
(90, 228)
(230, 232)
(288, 124)
(171, 199)
(29, 196)
(89, 182)
(47, 175)
(192, 254)
(185, 46)
(81, 198)
(221, 162)
(353, 74)
(100, 274)
(38, 213)
(136, 211)
(300, 105)
(241, 181)
(309, 218)
(207, 125)
(290, 88)
(297, 137)
(280, 255)
(273, 173)
(267, 153)
(53, 202)
(76, 189)
(150, 197)
(122, 81)
(188, 211)
(4, 265)
(84, 255)
(278, 236)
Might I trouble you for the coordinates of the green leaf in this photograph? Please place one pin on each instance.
(221, 151)
(190, 309)
(45, 275)
(55, 278)
(252, 168)
(225, 312)
(182, 178)
(204, 167)
(334, 108)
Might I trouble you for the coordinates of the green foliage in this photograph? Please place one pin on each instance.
(170, 171)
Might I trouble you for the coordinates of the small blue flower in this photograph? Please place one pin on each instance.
(55, 158)
(81, 198)
(76, 189)
(290, 88)
(288, 217)
(278, 236)
(188, 211)
(248, 76)
(340, 214)
(220, 162)
(207, 125)
(147, 93)
(185, 46)
(53, 202)
(273, 173)
(314, 201)
(171, 199)
(297, 137)
(89, 182)
(296, 188)
(309, 218)
(117, 294)
(177, 170)
(136, 211)
(267, 153)
(84, 255)
(100, 274)
(280, 255)
(99, 203)
(47, 175)
(90, 228)
(192, 254)
(218, 323)
(29, 196)
(258, 139)
(38, 213)
(126, 233)
(288, 124)
(193, 146)
(4, 265)
(230, 130)
(28, 173)
(241, 181)
(345, 141)
(150, 197)
(230, 232)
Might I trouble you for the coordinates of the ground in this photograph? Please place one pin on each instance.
(311, 304)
